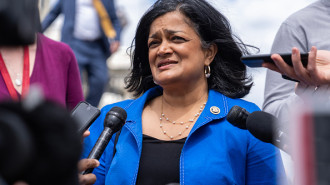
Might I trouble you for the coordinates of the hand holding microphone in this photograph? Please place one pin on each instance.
(83, 165)
(113, 122)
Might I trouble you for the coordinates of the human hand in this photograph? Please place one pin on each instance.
(83, 165)
(86, 133)
(315, 74)
(114, 46)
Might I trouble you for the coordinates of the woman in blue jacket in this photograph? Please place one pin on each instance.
(186, 75)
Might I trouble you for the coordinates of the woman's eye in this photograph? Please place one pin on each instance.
(152, 43)
(177, 38)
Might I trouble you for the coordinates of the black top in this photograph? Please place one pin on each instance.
(159, 162)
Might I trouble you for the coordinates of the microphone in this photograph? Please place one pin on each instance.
(261, 125)
(113, 122)
(237, 116)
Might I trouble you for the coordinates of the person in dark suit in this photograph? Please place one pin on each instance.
(83, 30)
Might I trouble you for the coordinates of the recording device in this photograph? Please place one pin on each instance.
(20, 21)
(257, 60)
(261, 125)
(84, 114)
(113, 122)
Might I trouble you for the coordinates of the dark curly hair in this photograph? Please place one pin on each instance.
(228, 73)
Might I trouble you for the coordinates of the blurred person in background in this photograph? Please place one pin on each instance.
(306, 28)
(186, 74)
(300, 32)
(40, 144)
(46, 63)
(92, 30)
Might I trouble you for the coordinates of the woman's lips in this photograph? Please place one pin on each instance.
(165, 63)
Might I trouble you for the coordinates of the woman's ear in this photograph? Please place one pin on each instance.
(210, 53)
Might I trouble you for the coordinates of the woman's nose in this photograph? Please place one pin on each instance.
(164, 49)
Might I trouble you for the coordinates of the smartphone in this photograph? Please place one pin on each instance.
(84, 114)
(257, 60)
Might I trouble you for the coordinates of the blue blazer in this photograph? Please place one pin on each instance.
(68, 9)
(215, 152)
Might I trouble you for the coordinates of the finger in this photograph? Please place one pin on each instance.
(284, 67)
(270, 66)
(85, 164)
(299, 69)
(86, 133)
(87, 179)
(311, 67)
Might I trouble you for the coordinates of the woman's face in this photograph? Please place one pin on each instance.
(175, 52)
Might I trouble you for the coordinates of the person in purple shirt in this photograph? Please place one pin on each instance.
(52, 66)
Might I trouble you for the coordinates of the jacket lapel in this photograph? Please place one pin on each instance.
(215, 108)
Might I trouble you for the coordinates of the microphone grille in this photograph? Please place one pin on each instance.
(119, 112)
(234, 114)
(237, 116)
(261, 124)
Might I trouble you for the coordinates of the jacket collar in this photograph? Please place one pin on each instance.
(215, 108)
(135, 109)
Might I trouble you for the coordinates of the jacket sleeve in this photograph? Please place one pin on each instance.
(74, 92)
(264, 163)
(52, 15)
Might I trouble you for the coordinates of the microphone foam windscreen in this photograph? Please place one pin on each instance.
(261, 125)
(115, 118)
(237, 116)
(118, 111)
(233, 114)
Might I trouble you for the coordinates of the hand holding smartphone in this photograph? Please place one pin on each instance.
(84, 114)
(257, 60)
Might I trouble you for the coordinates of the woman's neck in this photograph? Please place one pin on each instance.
(13, 58)
(184, 98)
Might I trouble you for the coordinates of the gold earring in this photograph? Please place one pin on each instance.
(207, 71)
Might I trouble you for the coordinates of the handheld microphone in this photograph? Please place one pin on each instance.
(261, 125)
(113, 122)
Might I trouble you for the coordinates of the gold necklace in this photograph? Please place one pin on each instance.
(186, 123)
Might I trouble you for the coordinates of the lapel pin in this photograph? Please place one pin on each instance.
(215, 110)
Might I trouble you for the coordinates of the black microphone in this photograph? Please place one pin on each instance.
(237, 116)
(261, 125)
(113, 122)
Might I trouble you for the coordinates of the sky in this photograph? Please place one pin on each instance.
(255, 21)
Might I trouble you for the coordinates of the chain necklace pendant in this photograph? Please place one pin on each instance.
(18, 82)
